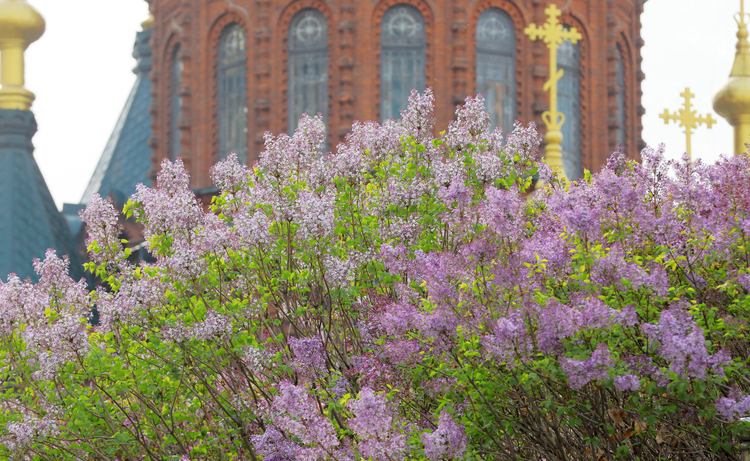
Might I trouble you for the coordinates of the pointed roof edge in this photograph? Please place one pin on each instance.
(101, 168)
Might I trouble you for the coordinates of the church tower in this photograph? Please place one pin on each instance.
(29, 220)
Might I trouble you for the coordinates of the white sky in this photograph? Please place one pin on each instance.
(80, 71)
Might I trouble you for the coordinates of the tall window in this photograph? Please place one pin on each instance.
(496, 66)
(174, 129)
(569, 103)
(232, 93)
(308, 66)
(402, 58)
(620, 98)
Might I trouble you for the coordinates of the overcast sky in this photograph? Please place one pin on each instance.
(80, 71)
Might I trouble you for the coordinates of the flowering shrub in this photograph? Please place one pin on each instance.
(403, 298)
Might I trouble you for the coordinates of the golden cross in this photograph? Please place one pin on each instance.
(687, 117)
(553, 34)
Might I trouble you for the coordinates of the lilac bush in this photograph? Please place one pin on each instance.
(408, 296)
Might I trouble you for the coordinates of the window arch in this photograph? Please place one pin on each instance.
(308, 66)
(620, 97)
(569, 103)
(402, 58)
(496, 66)
(176, 101)
(232, 92)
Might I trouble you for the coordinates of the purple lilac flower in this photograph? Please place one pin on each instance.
(630, 383)
(274, 447)
(733, 408)
(744, 280)
(170, 207)
(682, 343)
(101, 220)
(229, 174)
(556, 322)
(59, 338)
(503, 212)
(448, 441)
(582, 372)
(374, 425)
(595, 314)
(315, 215)
(419, 116)
(309, 356)
(510, 340)
(23, 433)
(295, 412)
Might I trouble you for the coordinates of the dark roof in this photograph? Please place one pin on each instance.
(126, 160)
(29, 220)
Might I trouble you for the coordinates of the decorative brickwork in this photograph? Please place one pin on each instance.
(354, 67)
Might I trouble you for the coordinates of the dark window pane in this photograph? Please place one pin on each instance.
(569, 103)
(620, 99)
(175, 132)
(496, 66)
(233, 93)
(308, 66)
(402, 58)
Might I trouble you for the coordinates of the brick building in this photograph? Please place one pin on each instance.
(224, 72)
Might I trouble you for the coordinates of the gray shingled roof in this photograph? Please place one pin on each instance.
(126, 159)
(29, 220)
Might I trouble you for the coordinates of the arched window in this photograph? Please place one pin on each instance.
(569, 103)
(308, 66)
(176, 100)
(402, 58)
(232, 93)
(620, 97)
(496, 66)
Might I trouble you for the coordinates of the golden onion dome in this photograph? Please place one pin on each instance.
(20, 22)
(148, 23)
(20, 25)
(732, 101)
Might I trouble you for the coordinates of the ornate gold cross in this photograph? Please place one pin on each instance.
(554, 34)
(687, 117)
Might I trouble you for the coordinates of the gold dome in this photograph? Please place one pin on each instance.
(20, 25)
(19, 21)
(732, 101)
(148, 23)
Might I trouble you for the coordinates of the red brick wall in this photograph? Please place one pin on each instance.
(354, 49)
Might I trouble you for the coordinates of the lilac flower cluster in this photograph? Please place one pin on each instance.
(448, 441)
(682, 343)
(406, 296)
(596, 367)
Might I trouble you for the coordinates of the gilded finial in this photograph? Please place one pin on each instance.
(20, 25)
(732, 101)
(742, 57)
(688, 118)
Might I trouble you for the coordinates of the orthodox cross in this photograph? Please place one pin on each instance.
(687, 117)
(553, 34)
